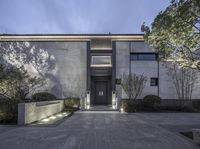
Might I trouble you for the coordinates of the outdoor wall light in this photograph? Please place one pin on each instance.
(45, 120)
(59, 115)
(122, 109)
(52, 117)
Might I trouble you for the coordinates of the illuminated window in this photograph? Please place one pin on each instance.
(101, 61)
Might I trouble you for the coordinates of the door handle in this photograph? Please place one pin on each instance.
(100, 93)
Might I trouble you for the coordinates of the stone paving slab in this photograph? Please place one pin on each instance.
(102, 130)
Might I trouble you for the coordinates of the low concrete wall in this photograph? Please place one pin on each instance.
(34, 111)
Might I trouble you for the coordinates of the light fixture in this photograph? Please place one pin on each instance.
(52, 117)
(45, 120)
(122, 109)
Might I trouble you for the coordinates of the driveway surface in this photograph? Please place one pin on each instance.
(106, 130)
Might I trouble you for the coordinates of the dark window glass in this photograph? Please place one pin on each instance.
(154, 82)
(144, 56)
(134, 57)
(147, 57)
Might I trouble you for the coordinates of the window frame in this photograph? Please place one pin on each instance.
(156, 81)
(138, 54)
(101, 65)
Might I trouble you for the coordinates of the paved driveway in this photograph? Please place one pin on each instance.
(105, 131)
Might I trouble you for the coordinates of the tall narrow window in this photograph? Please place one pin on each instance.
(101, 61)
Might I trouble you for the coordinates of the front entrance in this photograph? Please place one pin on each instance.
(101, 91)
(101, 95)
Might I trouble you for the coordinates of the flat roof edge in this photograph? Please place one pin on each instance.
(137, 34)
(69, 37)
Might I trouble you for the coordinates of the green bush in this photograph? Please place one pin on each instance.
(8, 110)
(43, 96)
(72, 102)
(178, 108)
(151, 101)
(131, 105)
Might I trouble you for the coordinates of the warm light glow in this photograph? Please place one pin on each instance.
(45, 120)
(59, 115)
(101, 48)
(100, 65)
(71, 38)
(52, 117)
(122, 110)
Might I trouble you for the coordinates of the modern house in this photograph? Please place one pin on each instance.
(91, 66)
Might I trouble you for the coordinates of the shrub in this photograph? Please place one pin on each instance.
(72, 102)
(131, 105)
(8, 110)
(17, 83)
(43, 96)
(178, 108)
(151, 101)
(133, 84)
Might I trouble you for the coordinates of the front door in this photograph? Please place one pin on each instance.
(101, 94)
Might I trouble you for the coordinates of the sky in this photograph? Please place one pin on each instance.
(77, 16)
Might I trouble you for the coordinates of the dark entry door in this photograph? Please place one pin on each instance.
(101, 93)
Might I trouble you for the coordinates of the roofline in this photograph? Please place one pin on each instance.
(70, 37)
(71, 34)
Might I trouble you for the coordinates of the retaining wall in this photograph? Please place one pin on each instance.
(34, 111)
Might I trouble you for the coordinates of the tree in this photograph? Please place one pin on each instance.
(175, 33)
(133, 84)
(16, 83)
(183, 80)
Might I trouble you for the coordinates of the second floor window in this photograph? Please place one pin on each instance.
(143, 56)
(101, 61)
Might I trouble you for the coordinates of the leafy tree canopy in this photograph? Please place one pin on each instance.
(175, 33)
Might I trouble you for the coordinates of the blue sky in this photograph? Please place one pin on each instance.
(77, 16)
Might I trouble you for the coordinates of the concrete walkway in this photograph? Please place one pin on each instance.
(100, 130)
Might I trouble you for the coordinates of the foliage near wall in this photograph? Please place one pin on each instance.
(15, 86)
(183, 79)
(133, 84)
(175, 33)
(72, 103)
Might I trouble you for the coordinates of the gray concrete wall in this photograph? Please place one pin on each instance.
(147, 68)
(141, 47)
(122, 64)
(62, 64)
(166, 87)
(34, 111)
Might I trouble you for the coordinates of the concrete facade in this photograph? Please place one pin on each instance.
(125, 65)
(63, 65)
(66, 63)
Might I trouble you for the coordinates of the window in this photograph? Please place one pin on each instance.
(101, 44)
(154, 82)
(143, 56)
(101, 61)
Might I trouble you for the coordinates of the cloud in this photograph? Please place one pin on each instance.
(77, 16)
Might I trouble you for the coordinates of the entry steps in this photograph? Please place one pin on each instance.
(101, 108)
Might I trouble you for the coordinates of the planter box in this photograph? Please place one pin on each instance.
(34, 111)
(196, 135)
